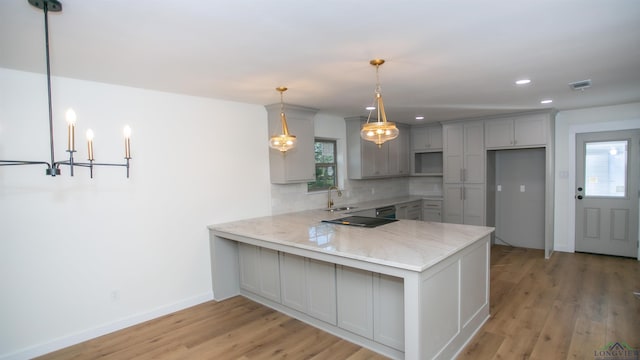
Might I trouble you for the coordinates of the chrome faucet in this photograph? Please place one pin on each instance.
(330, 201)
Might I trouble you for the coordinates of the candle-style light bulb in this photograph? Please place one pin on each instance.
(71, 116)
(127, 142)
(71, 129)
(90, 144)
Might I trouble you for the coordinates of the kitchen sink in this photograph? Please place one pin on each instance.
(342, 208)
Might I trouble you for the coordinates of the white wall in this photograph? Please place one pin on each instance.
(568, 124)
(80, 257)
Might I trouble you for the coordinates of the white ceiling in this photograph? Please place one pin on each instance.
(446, 59)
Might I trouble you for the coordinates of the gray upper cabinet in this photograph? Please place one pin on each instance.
(298, 164)
(365, 160)
(399, 152)
(521, 131)
(426, 138)
(464, 153)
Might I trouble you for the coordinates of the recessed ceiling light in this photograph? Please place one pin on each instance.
(546, 101)
(419, 117)
(370, 108)
(523, 81)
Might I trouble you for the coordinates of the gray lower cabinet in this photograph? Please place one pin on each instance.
(293, 281)
(410, 210)
(309, 286)
(464, 204)
(355, 300)
(259, 271)
(371, 305)
(321, 297)
(432, 210)
(388, 311)
(362, 302)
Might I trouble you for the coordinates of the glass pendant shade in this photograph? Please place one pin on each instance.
(381, 130)
(284, 141)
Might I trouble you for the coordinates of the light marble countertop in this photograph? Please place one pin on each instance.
(406, 244)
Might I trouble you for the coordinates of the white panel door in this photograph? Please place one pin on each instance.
(607, 172)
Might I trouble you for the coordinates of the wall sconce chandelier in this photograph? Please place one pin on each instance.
(284, 141)
(53, 167)
(381, 130)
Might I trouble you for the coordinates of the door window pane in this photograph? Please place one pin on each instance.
(605, 168)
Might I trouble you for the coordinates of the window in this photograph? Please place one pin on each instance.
(605, 168)
(326, 166)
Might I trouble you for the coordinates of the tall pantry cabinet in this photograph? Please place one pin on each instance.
(464, 172)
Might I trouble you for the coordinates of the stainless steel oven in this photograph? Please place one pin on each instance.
(387, 212)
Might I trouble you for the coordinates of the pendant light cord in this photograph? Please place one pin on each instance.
(378, 89)
(45, 8)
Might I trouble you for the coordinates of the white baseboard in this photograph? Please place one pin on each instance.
(120, 324)
(563, 249)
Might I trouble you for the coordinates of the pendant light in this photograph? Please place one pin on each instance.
(381, 130)
(53, 167)
(284, 141)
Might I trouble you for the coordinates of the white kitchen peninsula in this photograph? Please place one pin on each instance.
(408, 289)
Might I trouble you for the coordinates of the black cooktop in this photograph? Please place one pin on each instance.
(362, 221)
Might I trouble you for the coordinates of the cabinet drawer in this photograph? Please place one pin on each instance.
(432, 204)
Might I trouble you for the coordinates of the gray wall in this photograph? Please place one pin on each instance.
(519, 216)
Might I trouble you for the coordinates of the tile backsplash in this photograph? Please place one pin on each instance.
(294, 197)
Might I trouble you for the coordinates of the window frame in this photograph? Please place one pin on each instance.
(311, 186)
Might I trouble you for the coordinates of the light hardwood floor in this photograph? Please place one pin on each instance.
(563, 308)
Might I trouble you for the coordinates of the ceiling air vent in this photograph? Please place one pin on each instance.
(580, 85)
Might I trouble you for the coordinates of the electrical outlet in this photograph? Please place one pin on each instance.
(499, 188)
(521, 188)
(115, 295)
